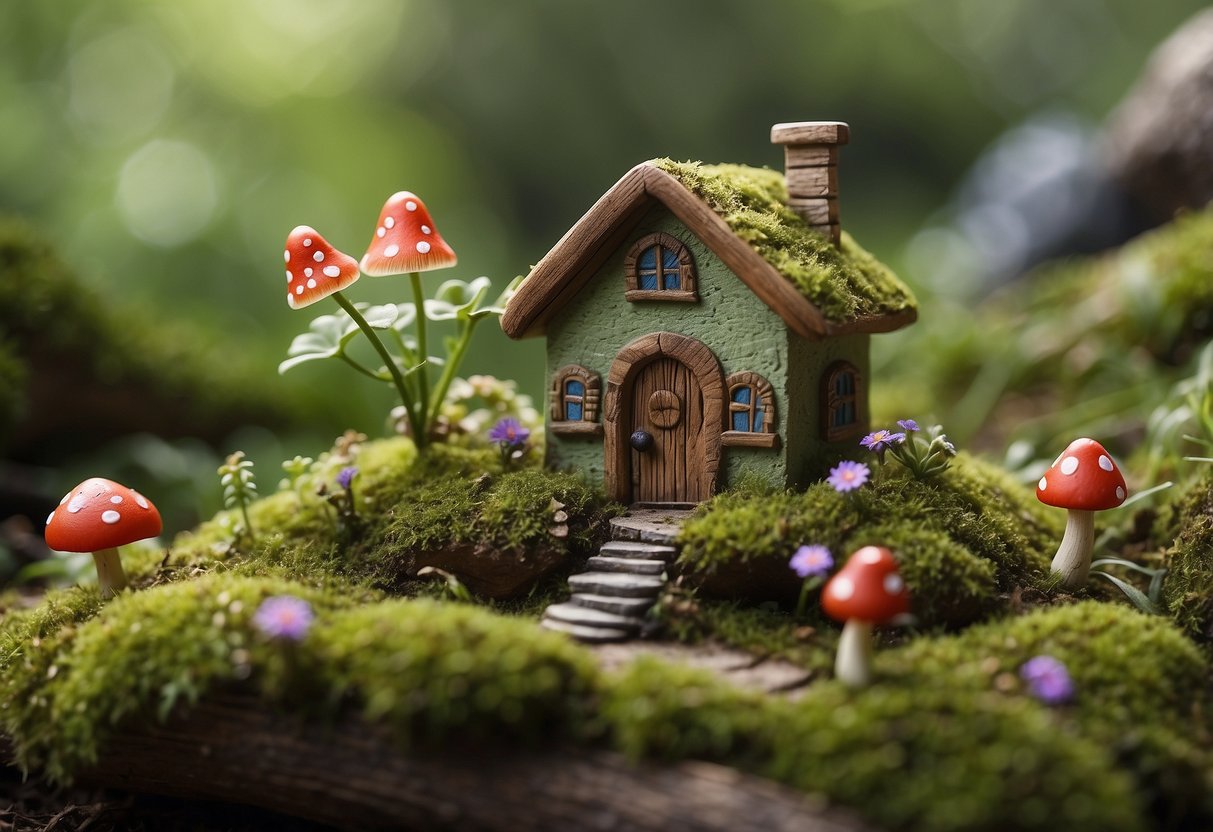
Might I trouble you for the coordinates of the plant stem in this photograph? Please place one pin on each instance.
(248, 524)
(397, 378)
(423, 379)
(452, 366)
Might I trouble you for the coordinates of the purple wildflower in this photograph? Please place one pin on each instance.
(346, 477)
(284, 616)
(810, 561)
(1048, 680)
(908, 425)
(509, 433)
(880, 441)
(847, 476)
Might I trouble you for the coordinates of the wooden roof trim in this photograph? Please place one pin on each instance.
(547, 287)
(563, 272)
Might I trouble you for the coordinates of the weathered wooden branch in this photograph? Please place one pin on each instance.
(353, 777)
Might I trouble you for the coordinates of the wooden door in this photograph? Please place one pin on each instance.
(668, 404)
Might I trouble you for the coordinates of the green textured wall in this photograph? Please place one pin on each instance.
(809, 456)
(739, 328)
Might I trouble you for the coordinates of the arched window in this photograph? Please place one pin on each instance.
(751, 411)
(841, 397)
(576, 398)
(659, 267)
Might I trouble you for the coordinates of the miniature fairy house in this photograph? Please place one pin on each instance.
(708, 320)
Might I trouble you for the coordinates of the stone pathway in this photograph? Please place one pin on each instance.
(620, 583)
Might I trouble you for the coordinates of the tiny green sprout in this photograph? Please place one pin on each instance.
(239, 486)
(295, 469)
(452, 586)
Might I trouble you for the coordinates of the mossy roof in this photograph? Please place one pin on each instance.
(843, 282)
(741, 213)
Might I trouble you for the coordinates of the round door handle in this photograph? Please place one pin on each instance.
(642, 440)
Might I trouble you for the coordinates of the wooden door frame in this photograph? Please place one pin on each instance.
(700, 360)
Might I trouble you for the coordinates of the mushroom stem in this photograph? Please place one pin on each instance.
(853, 665)
(110, 577)
(1073, 558)
(397, 376)
(423, 376)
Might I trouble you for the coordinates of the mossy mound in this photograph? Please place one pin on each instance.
(1087, 346)
(844, 283)
(1188, 586)
(963, 537)
(1141, 691)
(499, 532)
(428, 670)
(921, 758)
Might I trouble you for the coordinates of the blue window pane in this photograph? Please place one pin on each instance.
(648, 280)
(648, 259)
(574, 388)
(673, 280)
(572, 411)
(758, 418)
(742, 395)
(669, 259)
(741, 421)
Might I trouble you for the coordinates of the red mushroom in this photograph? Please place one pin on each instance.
(405, 239)
(866, 592)
(1083, 480)
(314, 268)
(98, 516)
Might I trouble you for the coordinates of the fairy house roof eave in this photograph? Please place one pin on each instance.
(571, 263)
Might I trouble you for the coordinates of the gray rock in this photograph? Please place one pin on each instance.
(586, 617)
(591, 634)
(609, 603)
(636, 549)
(632, 566)
(617, 583)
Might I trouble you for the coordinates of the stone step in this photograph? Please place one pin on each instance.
(618, 584)
(632, 566)
(642, 551)
(608, 603)
(582, 633)
(586, 617)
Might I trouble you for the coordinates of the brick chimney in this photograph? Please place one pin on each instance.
(811, 168)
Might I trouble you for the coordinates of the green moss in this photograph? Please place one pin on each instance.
(972, 526)
(1188, 586)
(428, 670)
(844, 284)
(906, 758)
(763, 630)
(1141, 689)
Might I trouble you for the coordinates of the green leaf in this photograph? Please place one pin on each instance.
(328, 335)
(1135, 595)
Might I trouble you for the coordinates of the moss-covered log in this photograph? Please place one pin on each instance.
(352, 776)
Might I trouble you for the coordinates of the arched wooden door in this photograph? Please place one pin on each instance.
(670, 387)
(667, 404)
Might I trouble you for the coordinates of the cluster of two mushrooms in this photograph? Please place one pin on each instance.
(405, 240)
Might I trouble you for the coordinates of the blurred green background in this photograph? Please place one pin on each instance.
(168, 147)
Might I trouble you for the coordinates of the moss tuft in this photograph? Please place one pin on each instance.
(844, 284)
(1141, 689)
(971, 526)
(1188, 586)
(906, 758)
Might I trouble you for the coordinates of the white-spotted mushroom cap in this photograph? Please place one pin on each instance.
(868, 588)
(314, 269)
(101, 514)
(406, 240)
(1084, 477)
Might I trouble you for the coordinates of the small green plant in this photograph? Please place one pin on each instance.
(1149, 601)
(239, 486)
(923, 453)
(295, 469)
